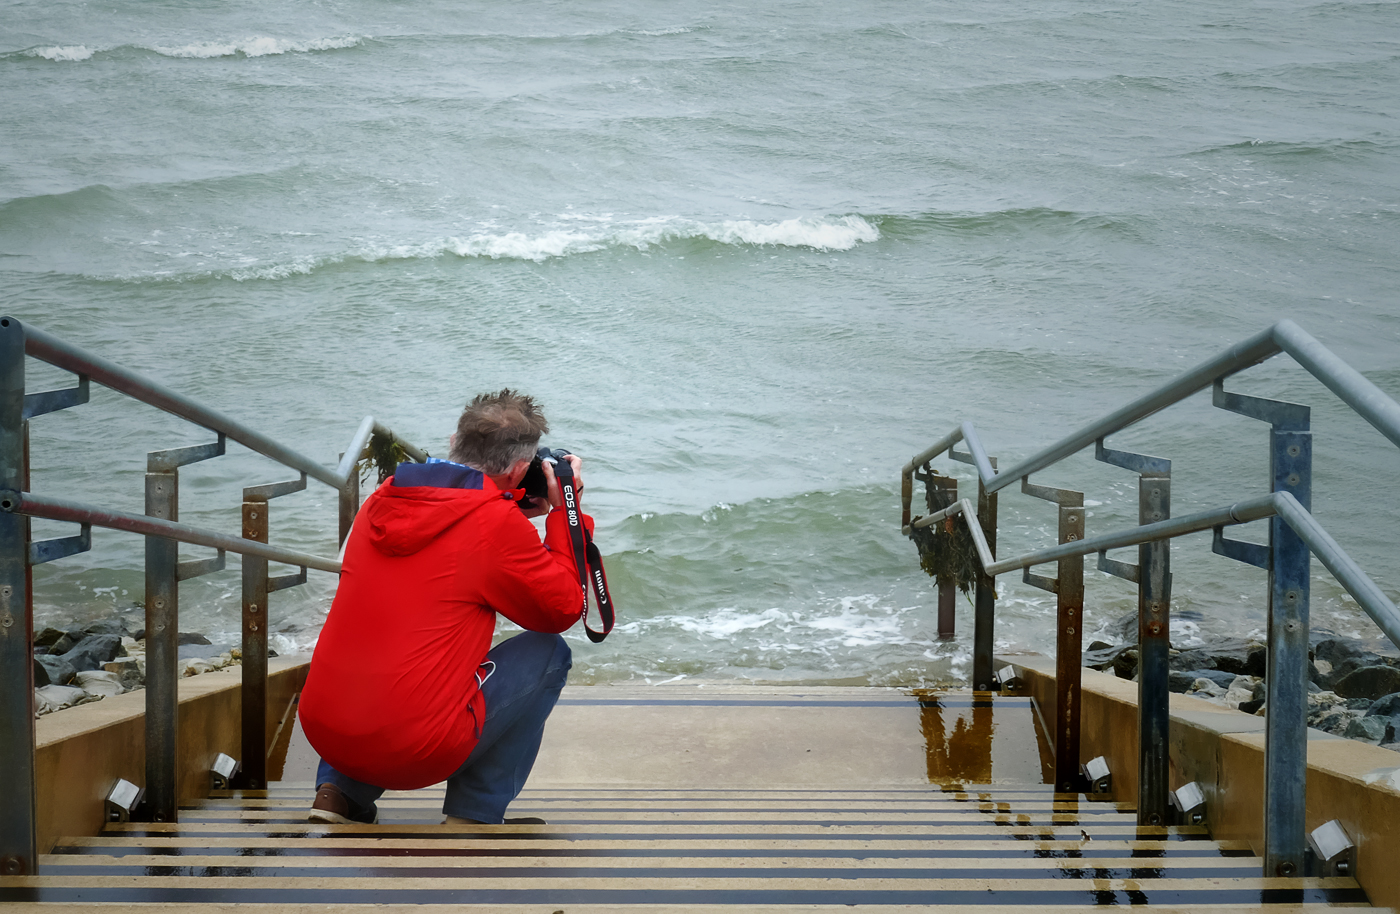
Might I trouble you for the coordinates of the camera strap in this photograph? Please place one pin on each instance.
(586, 555)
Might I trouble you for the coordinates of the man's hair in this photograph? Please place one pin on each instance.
(498, 429)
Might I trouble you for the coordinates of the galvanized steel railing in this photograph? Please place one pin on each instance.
(163, 531)
(1293, 535)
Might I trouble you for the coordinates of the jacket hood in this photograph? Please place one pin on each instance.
(402, 520)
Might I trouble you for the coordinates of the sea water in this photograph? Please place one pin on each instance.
(752, 258)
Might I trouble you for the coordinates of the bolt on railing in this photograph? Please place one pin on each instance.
(1294, 536)
(163, 531)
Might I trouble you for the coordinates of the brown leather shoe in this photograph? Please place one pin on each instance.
(333, 806)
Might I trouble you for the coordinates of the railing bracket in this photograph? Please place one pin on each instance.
(222, 771)
(1096, 773)
(1190, 804)
(1334, 852)
(122, 800)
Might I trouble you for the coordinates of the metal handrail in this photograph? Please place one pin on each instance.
(164, 571)
(1282, 504)
(48, 348)
(63, 510)
(1294, 536)
(1368, 400)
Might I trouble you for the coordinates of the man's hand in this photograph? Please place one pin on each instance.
(540, 506)
(556, 497)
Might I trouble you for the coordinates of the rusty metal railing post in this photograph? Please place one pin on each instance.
(162, 646)
(164, 572)
(256, 617)
(1154, 655)
(1152, 574)
(1068, 587)
(18, 853)
(254, 697)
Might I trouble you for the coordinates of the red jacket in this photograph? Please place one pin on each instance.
(392, 697)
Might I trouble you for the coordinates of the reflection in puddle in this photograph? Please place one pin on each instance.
(983, 738)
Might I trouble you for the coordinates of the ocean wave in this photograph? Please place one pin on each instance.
(830, 234)
(256, 46)
(252, 46)
(62, 53)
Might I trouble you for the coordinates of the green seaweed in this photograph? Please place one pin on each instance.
(383, 454)
(946, 549)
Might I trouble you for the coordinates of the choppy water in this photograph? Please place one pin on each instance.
(752, 258)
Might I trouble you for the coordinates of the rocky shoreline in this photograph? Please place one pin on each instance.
(86, 663)
(1353, 687)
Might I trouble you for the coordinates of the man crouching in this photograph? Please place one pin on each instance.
(404, 689)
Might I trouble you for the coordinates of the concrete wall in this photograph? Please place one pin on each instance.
(1223, 750)
(82, 751)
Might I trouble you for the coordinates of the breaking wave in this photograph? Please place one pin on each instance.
(830, 234)
(252, 46)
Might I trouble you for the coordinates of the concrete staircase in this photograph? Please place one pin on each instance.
(646, 829)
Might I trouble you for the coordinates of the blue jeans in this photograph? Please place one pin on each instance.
(530, 672)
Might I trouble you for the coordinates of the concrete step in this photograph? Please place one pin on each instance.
(830, 829)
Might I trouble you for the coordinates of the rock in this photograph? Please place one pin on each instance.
(57, 696)
(60, 671)
(41, 674)
(1367, 729)
(95, 650)
(65, 643)
(1105, 657)
(1236, 656)
(106, 627)
(1240, 690)
(1124, 629)
(195, 667)
(193, 638)
(1096, 646)
(1369, 682)
(100, 682)
(124, 665)
(1332, 720)
(1252, 706)
(47, 637)
(1205, 688)
(1347, 655)
(1385, 706)
(1179, 681)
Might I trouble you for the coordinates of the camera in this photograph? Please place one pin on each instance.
(535, 484)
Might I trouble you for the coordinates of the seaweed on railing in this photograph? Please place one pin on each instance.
(383, 453)
(946, 549)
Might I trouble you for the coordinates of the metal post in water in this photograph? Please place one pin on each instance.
(1286, 730)
(18, 851)
(983, 679)
(942, 492)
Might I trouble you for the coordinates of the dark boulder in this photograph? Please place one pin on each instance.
(1237, 656)
(1182, 680)
(1368, 682)
(95, 650)
(193, 638)
(1345, 656)
(106, 627)
(1249, 707)
(47, 637)
(1385, 706)
(41, 674)
(60, 671)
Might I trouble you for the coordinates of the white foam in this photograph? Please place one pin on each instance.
(70, 52)
(255, 46)
(837, 235)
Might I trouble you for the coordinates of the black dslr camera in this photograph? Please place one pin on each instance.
(534, 483)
